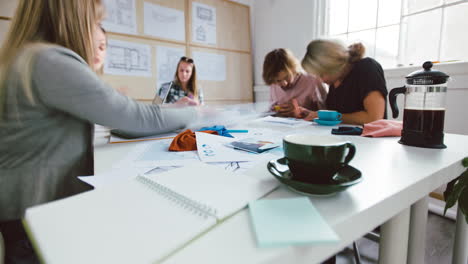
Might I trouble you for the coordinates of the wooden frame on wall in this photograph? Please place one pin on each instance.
(233, 42)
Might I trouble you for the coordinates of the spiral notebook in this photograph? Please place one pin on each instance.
(140, 220)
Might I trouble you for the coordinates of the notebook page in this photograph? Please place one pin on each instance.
(223, 190)
(286, 222)
(124, 223)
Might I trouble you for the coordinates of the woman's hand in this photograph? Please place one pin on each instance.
(307, 114)
(289, 109)
(187, 101)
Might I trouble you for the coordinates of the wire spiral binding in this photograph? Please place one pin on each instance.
(189, 204)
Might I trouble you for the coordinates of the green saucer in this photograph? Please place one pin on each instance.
(343, 179)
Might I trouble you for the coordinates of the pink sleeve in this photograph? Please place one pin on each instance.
(273, 95)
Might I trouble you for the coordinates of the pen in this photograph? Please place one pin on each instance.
(237, 131)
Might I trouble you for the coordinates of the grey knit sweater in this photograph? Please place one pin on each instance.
(45, 145)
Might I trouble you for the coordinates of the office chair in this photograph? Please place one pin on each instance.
(2, 249)
(373, 236)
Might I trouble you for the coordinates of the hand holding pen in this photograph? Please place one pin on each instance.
(289, 109)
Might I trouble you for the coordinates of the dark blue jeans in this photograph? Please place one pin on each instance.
(18, 248)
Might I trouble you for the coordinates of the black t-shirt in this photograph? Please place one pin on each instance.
(366, 76)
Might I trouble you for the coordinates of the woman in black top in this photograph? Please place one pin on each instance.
(357, 86)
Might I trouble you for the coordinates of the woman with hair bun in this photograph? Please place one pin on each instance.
(357, 86)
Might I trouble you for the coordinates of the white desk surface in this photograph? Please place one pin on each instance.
(394, 177)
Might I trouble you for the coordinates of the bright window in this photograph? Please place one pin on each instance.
(402, 32)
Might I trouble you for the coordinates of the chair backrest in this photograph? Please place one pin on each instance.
(2, 249)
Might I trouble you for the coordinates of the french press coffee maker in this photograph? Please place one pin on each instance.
(424, 111)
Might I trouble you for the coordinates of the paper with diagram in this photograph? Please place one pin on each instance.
(203, 23)
(212, 148)
(210, 66)
(127, 58)
(166, 63)
(120, 16)
(164, 22)
(156, 153)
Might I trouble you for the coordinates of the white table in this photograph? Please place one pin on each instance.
(395, 177)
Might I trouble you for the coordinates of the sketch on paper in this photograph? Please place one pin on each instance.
(121, 16)
(236, 166)
(166, 63)
(210, 66)
(150, 154)
(203, 23)
(164, 22)
(127, 58)
(158, 151)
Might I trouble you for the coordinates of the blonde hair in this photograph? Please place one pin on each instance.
(39, 24)
(192, 82)
(330, 57)
(279, 60)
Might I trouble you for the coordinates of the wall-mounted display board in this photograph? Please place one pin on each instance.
(146, 38)
(4, 24)
(229, 75)
(7, 8)
(134, 64)
(232, 24)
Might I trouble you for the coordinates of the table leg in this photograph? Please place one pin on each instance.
(417, 231)
(460, 247)
(393, 246)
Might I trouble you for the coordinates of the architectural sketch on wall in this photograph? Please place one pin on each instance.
(121, 16)
(210, 66)
(203, 23)
(164, 22)
(166, 63)
(128, 58)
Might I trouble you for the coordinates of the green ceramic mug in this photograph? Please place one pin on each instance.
(316, 159)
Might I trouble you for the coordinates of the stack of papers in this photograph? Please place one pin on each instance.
(285, 121)
(152, 154)
(252, 145)
(212, 148)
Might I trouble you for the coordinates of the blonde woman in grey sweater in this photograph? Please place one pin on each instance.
(50, 98)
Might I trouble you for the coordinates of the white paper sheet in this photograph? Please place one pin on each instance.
(286, 121)
(211, 148)
(166, 63)
(203, 23)
(210, 66)
(236, 166)
(127, 58)
(155, 153)
(121, 16)
(112, 176)
(116, 139)
(164, 22)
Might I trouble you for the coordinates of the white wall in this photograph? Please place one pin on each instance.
(290, 24)
(280, 24)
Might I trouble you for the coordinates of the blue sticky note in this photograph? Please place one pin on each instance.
(286, 222)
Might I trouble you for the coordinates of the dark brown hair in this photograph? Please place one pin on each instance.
(279, 60)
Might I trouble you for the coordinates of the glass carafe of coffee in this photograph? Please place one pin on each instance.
(424, 112)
